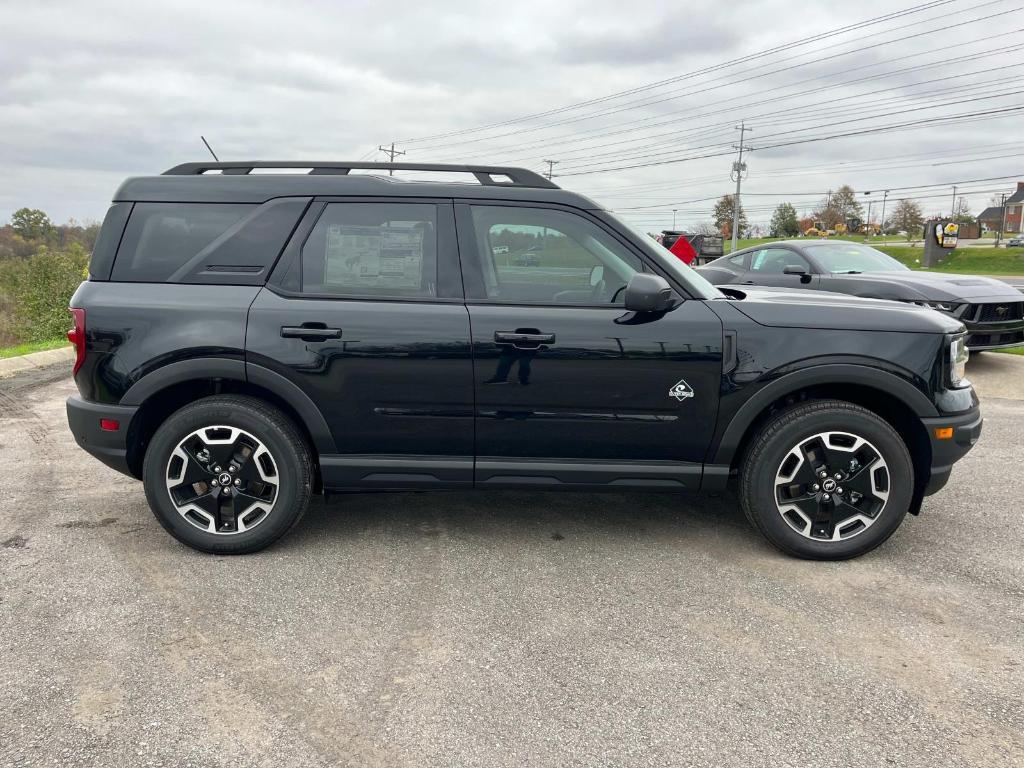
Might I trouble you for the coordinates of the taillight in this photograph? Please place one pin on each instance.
(77, 337)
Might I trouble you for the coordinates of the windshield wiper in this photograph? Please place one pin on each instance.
(850, 272)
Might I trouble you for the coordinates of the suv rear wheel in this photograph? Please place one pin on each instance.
(228, 474)
(826, 480)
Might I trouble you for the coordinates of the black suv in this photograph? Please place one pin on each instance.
(246, 338)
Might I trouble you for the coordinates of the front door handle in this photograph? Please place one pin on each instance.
(310, 332)
(523, 339)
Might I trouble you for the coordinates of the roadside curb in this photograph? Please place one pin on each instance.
(12, 365)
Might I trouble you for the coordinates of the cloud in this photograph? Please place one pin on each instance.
(91, 93)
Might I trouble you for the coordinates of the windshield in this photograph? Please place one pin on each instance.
(840, 256)
(694, 282)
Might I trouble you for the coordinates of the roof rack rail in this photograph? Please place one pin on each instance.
(517, 177)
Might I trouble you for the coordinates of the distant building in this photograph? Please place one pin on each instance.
(992, 218)
(1015, 209)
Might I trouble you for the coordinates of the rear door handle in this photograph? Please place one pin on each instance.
(310, 332)
(522, 340)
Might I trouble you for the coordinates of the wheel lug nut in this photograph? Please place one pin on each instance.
(837, 476)
(839, 490)
(237, 481)
(826, 496)
(214, 483)
(816, 487)
(823, 474)
(217, 468)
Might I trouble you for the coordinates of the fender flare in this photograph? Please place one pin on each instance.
(311, 416)
(183, 370)
(236, 370)
(860, 375)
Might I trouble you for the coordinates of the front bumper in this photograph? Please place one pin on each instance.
(966, 428)
(986, 331)
(109, 446)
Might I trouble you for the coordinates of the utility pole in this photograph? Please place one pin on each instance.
(952, 214)
(868, 229)
(1002, 220)
(551, 167)
(391, 154)
(884, 196)
(738, 168)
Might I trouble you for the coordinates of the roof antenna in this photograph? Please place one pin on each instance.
(209, 148)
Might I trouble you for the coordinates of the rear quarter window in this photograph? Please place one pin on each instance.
(219, 243)
(162, 237)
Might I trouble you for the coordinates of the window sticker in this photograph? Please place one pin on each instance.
(390, 257)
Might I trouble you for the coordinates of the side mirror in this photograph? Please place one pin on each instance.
(648, 293)
(795, 269)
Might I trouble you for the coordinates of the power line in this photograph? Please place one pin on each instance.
(991, 90)
(842, 166)
(689, 114)
(695, 73)
(757, 73)
(945, 120)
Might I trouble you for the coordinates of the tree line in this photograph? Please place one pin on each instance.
(41, 265)
(838, 210)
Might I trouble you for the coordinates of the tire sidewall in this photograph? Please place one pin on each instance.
(767, 461)
(291, 497)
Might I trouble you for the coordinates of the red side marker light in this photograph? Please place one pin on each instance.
(110, 425)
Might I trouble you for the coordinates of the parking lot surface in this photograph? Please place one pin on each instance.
(503, 629)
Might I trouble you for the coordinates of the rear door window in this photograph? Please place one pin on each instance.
(373, 250)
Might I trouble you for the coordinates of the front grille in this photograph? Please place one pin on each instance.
(998, 313)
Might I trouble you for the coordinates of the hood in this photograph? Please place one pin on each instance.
(930, 286)
(784, 308)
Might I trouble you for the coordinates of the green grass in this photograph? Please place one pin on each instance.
(32, 346)
(1013, 351)
(969, 261)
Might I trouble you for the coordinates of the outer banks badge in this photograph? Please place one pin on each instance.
(681, 391)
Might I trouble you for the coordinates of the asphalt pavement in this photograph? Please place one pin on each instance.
(505, 629)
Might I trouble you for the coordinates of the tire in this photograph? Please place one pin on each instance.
(259, 453)
(785, 496)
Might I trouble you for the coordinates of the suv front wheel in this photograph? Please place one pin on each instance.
(228, 474)
(826, 480)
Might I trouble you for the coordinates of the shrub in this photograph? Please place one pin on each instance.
(34, 293)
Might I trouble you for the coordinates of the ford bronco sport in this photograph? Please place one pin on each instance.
(246, 339)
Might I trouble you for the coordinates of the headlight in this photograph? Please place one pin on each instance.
(942, 306)
(958, 354)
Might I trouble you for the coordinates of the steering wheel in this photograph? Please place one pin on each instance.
(597, 292)
(615, 295)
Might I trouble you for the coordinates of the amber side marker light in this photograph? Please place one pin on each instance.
(943, 433)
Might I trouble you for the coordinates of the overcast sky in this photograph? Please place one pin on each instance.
(93, 92)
